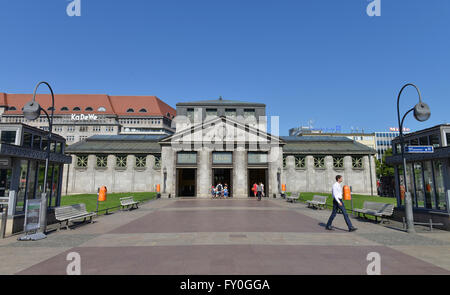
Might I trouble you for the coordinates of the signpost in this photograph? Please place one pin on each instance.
(419, 149)
(32, 220)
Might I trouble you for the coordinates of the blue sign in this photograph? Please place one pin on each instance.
(419, 149)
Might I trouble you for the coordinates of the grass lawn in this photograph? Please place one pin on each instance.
(112, 200)
(358, 200)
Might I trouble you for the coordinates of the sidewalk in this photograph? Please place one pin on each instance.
(170, 236)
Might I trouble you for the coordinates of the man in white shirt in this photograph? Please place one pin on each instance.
(338, 203)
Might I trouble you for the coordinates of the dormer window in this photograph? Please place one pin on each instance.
(50, 109)
(142, 110)
(65, 109)
(101, 109)
(76, 109)
(12, 109)
(130, 111)
(89, 109)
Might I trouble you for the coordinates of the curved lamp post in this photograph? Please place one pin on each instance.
(421, 113)
(32, 111)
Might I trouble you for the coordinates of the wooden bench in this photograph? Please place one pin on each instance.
(376, 209)
(71, 213)
(318, 202)
(128, 202)
(292, 198)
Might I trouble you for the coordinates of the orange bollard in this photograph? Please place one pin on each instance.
(402, 192)
(158, 188)
(102, 194)
(347, 193)
(283, 188)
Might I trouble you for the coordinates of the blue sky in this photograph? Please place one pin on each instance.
(325, 61)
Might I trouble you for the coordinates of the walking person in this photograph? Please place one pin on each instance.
(254, 189)
(263, 194)
(338, 203)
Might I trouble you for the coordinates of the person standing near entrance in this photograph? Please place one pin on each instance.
(254, 189)
(219, 189)
(338, 203)
(259, 191)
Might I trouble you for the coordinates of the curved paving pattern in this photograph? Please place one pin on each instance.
(228, 237)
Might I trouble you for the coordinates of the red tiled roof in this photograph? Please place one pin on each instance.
(114, 105)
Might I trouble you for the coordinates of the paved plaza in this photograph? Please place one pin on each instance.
(193, 236)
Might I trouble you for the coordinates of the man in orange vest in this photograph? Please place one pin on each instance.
(338, 203)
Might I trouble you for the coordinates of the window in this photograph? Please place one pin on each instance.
(434, 140)
(70, 128)
(121, 161)
(157, 162)
(70, 138)
(76, 109)
(141, 161)
(257, 158)
(130, 110)
(300, 161)
(37, 142)
(84, 128)
(284, 161)
(101, 109)
(186, 158)
(102, 161)
(12, 109)
(211, 112)
(65, 109)
(447, 137)
(357, 162)
(97, 128)
(82, 161)
(440, 185)
(230, 112)
(189, 114)
(51, 109)
(8, 137)
(83, 138)
(423, 140)
(89, 109)
(319, 162)
(338, 162)
(249, 113)
(142, 111)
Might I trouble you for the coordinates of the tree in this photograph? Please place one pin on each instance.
(382, 168)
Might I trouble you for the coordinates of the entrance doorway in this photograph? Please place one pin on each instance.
(186, 182)
(257, 176)
(224, 176)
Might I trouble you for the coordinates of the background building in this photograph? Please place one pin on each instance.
(383, 140)
(367, 139)
(230, 146)
(79, 116)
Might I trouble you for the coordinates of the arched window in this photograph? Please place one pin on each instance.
(89, 109)
(101, 109)
(12, 109)
(142, 110)
(130, 111)
(76, 109)
(64, 109)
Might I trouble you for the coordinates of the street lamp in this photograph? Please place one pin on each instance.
(421, 113)
(32, 111)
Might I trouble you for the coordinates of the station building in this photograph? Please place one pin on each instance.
(23, 150)
(216, 141)
(427, 174)
(79, 116)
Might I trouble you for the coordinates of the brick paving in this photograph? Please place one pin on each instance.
(227, 237)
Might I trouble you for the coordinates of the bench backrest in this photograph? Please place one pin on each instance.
(321, 199)
(379, 207)
(65, 212)
(126, 200)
